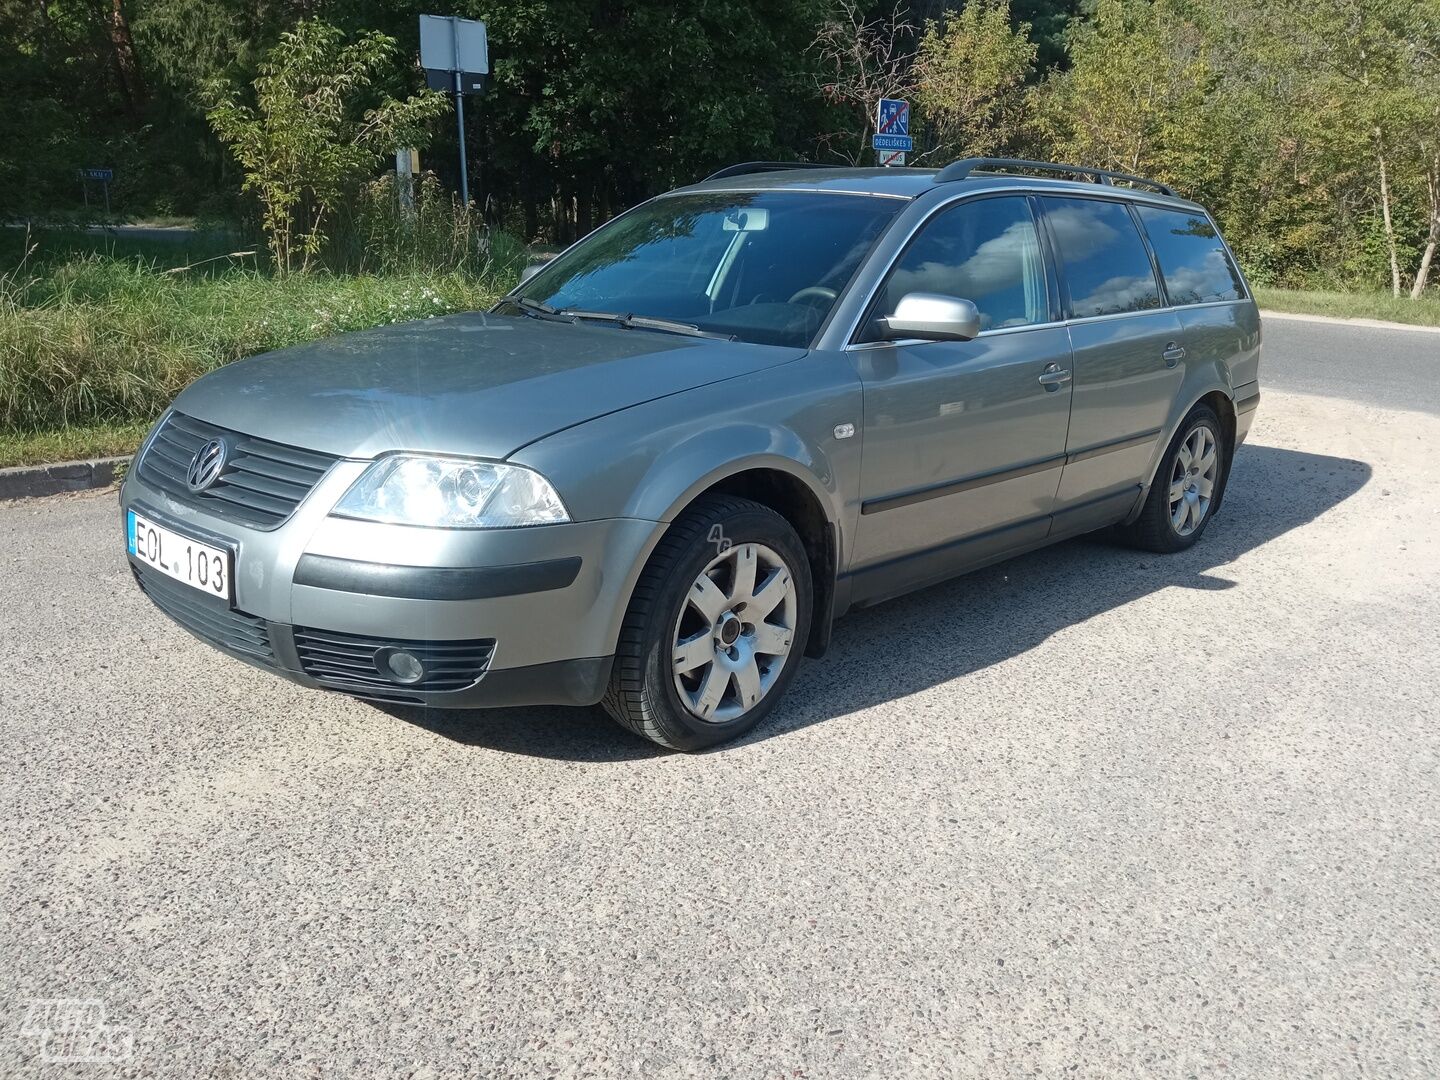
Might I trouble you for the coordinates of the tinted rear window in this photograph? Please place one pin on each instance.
(1196, 266)
(1106, 265)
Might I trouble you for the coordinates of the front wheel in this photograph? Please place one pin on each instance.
(1186, 488)
(716, 627)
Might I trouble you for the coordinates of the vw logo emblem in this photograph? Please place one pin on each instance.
(207, 465)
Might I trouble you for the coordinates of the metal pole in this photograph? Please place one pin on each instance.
(460, 127)
(106, 184)
(459, 109)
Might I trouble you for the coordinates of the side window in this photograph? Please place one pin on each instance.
(986, 251)
(1196, 267)
(1105, 262)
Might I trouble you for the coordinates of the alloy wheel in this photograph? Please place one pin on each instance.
(734, 632)
(1192, 480)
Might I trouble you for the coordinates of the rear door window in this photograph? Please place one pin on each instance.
(1105, 262)
(1196, 267)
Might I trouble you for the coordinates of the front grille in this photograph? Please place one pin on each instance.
(262, 481)
(347, 662)
(208, 618)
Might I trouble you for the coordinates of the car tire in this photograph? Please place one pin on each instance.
(1186, 490)
(741, 658)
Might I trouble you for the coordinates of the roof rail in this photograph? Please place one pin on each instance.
(959, 170)
(763, 166)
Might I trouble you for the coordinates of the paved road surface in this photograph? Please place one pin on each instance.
(1399, 369)
(1091, 813)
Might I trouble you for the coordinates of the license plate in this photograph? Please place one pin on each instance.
(198, 565)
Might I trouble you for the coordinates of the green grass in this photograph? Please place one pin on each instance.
(93, 348)
(1356, 305)
(69, 444)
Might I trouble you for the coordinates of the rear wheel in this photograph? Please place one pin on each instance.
(1186, 488)
(716, 626)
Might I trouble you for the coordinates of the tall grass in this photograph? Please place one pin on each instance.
(436, 233)
(1352, 305)
(94, 340)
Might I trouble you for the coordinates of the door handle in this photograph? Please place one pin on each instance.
(1054, 377)
(1173, 354)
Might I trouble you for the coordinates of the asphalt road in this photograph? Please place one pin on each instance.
(1395, 368)
(1090, 813)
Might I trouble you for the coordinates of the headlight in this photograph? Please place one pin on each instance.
(452, 493)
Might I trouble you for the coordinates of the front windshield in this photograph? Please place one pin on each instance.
(764, 267)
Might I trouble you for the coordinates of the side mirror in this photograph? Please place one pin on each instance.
(933, 316)
(530, 271)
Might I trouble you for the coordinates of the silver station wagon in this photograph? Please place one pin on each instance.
(657, 472)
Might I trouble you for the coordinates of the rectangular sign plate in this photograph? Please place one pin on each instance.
(892, 117)
(195, 564)
(892, 142)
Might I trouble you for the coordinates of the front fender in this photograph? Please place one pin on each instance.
(652, 460)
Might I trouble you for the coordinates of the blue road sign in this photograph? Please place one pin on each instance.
(893, 142)
(893, 117)
(97, 174)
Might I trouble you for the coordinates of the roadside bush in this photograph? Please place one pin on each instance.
(436, 234)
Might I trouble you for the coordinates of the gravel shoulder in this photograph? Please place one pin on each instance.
(1091, 812)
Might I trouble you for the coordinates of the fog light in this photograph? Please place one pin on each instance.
(399, 666)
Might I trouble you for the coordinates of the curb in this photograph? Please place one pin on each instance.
(27, 481)
(1332, 320)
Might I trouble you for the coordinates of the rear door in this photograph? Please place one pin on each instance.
(1128, 356)
(964, 443)
(1206, 290)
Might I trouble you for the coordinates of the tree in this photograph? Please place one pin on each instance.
(1137, 79)
(969, 76)
(307, 142)
(1366, 74)
(862, 60)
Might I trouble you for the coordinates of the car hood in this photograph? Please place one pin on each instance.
(474, 384)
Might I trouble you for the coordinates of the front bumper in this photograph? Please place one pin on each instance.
(548, 600)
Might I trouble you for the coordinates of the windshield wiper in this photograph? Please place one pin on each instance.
(536, 310)
(647, 322)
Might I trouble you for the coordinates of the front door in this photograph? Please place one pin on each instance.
(964, 440)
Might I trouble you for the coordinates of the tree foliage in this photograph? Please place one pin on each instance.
(307, 142)
(970, 72)
(1310, 126)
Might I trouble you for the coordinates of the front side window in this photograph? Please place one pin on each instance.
(1106, 265)
(1196, 267)
(765, 266)
(986, 251)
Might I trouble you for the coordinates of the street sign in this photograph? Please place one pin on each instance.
(100, 176)
(902, 143)
(456, 57)
(892, 117)
(892, 131)
(451, 47)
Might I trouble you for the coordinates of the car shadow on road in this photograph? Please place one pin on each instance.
(966, 625)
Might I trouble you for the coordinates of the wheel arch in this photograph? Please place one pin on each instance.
(795, 493)
(1222, 403)
(794, 500)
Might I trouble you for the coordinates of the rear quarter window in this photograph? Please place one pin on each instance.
(1196, 267)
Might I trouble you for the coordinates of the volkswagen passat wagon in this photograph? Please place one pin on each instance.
(657, 472)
